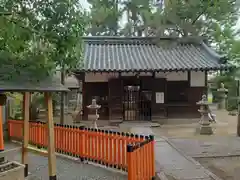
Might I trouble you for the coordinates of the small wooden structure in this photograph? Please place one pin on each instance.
(47, 86)
(146, 78)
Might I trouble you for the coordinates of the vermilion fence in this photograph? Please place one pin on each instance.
(128, 152)
(140, 158)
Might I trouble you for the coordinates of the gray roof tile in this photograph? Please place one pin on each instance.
(144, 54)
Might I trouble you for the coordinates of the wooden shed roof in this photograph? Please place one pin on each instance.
(49, 84)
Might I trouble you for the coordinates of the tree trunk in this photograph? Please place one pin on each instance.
(238, 123)
(62, 109)
(238, 115)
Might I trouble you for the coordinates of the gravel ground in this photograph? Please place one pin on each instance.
(227, 168)
(66, 169)
(209, 147)
(221, 155)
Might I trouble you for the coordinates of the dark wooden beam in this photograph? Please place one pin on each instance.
(63, 98)
(206, 78)
(84, 96)
(206, 83)
(189, 78)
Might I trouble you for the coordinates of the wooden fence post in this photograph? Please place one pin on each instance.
(51, 142)
(26, 105)
(130, 161)
(152, 154)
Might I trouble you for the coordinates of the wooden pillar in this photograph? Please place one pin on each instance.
(81, 77)
(26, 106)
(63, 98)
(51, 148)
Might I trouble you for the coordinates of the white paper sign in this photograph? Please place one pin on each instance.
(159, 97)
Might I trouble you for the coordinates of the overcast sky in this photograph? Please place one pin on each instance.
(87, 6)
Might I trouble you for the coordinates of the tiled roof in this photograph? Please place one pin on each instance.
(146, 54)
(49, 84)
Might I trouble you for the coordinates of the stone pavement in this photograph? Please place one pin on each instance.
(209, 146)
(66, 169)
(174, 164)
(219, 154)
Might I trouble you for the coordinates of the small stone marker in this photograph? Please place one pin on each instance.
(93, 113)
(205, 125)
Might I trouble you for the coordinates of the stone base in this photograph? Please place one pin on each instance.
(12, 171)
(205, 130)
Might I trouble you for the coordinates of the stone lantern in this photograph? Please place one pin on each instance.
(93, 112)
(223, 95)
(205, 127)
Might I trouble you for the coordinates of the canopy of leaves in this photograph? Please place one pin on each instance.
(103, 17)
(38, 36)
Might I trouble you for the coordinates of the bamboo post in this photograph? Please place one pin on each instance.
(26, 106)
(1, 133)
(51, 148)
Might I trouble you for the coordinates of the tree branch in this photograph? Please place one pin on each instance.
(5, 13)
(204, 11)
(16, 22)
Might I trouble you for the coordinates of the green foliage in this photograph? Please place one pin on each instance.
(38, 36)
(16, 105)
(104, 17)
(214, 20)
(139, 15)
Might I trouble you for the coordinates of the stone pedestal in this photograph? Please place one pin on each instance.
(12, 171)
(205, 125)
(223, 95)
(93, 113)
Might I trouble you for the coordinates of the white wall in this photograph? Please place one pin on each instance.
(99, 77)
(197, 79)
(134, 74)
(173, 76)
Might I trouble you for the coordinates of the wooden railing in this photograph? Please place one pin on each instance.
(104, 147)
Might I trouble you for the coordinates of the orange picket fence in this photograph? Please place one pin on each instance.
(128, 152)
(141, 160)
